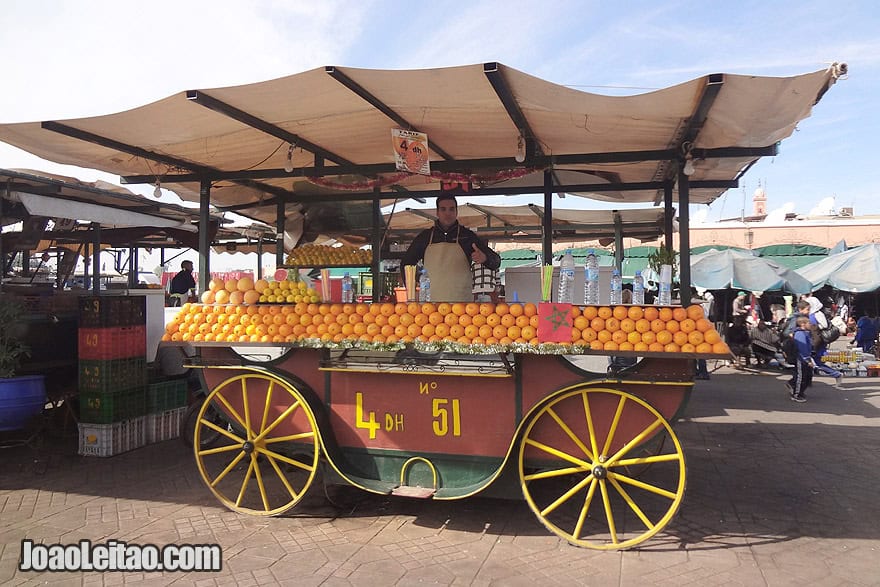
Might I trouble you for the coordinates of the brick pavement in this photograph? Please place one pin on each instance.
(779, 493)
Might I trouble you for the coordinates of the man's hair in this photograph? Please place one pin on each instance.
(803, 305)
(802, 321)
(442, 197)
(184, 264)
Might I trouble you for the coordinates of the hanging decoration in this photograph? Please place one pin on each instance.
(444, 176)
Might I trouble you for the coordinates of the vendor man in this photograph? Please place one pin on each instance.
(448, 248)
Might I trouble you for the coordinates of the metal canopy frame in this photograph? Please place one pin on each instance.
(669, 172)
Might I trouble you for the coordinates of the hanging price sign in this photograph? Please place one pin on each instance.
(410, 151)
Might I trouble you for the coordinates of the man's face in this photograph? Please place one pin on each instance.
(447, 212)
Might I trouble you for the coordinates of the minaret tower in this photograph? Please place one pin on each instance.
(760, 202)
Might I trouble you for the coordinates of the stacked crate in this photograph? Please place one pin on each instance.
(166, 403)
(112, 374)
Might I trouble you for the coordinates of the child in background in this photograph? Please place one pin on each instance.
(803, 367)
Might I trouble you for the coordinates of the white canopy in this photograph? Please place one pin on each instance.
(339, 122)
(716, 269)
(855, 270)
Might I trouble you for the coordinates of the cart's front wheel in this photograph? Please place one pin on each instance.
(265, 455)
(575, 459)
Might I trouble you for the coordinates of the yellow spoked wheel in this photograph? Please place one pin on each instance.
(575, 459)
(264, 454)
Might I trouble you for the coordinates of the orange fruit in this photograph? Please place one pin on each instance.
(528, 333)
(634, 337)
(656, 347)
(680, 338)
(485, 331)
(612, 324)
(672, 348)
(688, 348)
(414, 330)
(525, 320)
(603, 336)
(704, 347)
(679, 313)
(664, 337)
(516, 309)
(604, 312)
(619, 336)
(499, 331)
(588, 334)
(640, 347)
(575, 335)
(407, 319)
(687, 325)
(530, 309)
(695, 337)
(597, 324)
(208, 297)
(428, 308)
(590, 312)
(673, 326)
(486, 309)
(450, 319)
(428, 330)
(435, 318)
(501, 308)
(628, 325)
(413, 308)
(619, 312)
(635, 312)
(231, 285)
(458, 309)
(665, 313)
(441, 330)
(597, 345)
(534, 321)
(493, 320)
(610, 346)
(400, 308)
(444, 308)
(657, 325)
(508, 320)
(695, 312)
(643, 325)
(421, 319)
(515, 331)
(387, 309)
(236, 297)
(626, 346)
(581, 322)
(245, 284)
(261, 285)
(651, 313)
(471, 331)
(704, 325)
(216, 285)
(712, 336)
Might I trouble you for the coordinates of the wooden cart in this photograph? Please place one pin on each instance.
(594, 454)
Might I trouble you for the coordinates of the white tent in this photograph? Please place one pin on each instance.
(856, 270)
(731, 268)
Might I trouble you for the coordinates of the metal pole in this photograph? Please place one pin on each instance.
(618, 242)
(547, 220)
(667, 216)
(684, 239)
(378, 285)
(204, 233)
(96, 258)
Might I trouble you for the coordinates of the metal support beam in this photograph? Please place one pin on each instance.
(547, 219)
(204, 230)
(280, 215)
(684, 239)
(502, 90)
(376, 265)
(698, 119)
(211, 103)
(668, 215)
(382, 107)
(96, 258)
(489, 214)
(419, 212)
(618, 242)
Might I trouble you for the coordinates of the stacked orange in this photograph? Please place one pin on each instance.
(607, 328)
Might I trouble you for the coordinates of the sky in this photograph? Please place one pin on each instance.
(69, 59)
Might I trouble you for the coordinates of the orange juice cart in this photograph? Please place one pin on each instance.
(450, 414)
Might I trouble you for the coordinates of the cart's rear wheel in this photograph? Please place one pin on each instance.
(266, 457)
(575, 459)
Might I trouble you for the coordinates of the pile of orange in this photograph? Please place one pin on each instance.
(646, 328)
(610, 328)
(248, 291)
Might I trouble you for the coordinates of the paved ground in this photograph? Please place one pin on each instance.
(779, 493)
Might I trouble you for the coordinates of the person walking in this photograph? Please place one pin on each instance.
(818, 318)
(803, 366)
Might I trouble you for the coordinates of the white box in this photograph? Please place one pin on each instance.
(106, 440)
(526, 283)
(163, 425)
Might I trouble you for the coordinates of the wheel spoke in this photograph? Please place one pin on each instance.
(637, 440)
(582, 517)
(219, 449)
(262, 487)
(558, 453)
(614, 422)
(228, 468)
(555, 473)
(266, 405)
(632, 504)
(292, 408)
(572, 435)
(567, 495)
(646, 486)
(281, 476)
(223, 431)
(247, 409)
(246, 482)
(288, 460)
(590, 430)
(609, 516)
(231, 410)
(647, 460)
(292, 437)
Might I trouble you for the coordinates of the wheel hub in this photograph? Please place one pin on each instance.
(248, 447)
(599, 472)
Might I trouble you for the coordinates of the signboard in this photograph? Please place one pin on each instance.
(410, 151)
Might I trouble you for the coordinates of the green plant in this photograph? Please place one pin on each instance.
(663, 256)
(12, 349)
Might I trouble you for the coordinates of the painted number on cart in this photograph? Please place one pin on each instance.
(393, 422)
(441, 408)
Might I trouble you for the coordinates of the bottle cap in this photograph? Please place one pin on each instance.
(639, 272)
(346, 274)
(615, 273)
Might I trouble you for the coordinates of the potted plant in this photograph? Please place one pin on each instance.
(21, 396)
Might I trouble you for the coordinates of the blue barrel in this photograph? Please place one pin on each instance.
(21, 398)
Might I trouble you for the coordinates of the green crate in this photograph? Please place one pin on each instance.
(166, 395)
(112, 375)
(105, 408)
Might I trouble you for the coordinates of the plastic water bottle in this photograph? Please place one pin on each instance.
(616, 288)
(638, 289)
(347, 291)
(566, 279)
(591, 279)
(424, 287)
(664, 290)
